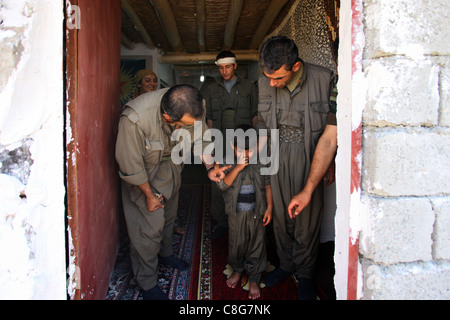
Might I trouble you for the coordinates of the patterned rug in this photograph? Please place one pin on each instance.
(175, 283)
(206, 277)
(214, 270)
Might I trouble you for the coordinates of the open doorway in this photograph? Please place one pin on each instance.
(81, 125)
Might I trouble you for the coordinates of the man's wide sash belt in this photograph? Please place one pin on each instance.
(291, 134)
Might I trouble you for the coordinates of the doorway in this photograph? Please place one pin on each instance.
(93, 55)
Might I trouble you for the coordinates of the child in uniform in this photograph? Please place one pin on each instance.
(248, 204)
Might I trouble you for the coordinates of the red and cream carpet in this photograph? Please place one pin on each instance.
(205, 279)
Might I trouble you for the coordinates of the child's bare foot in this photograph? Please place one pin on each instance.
(234, 280)
(254, 290)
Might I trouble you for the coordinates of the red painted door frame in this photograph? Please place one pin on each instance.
(93, 107)
(356, 139)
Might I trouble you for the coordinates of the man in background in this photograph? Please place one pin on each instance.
(230, 101)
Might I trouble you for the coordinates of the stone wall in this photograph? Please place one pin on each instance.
(405, 213)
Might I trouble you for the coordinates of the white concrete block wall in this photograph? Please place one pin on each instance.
(407, 281)
(441, 232)
(405, 206)
(402, 91)
(444, 89)
(406, 161)
(410, 28)
(397, 230)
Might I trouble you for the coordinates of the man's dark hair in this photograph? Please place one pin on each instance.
(225, 54)
(276, 52)
(183, 99)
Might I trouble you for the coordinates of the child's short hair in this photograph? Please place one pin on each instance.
(250, 136)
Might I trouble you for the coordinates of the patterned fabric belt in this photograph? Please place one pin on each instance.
(291, 134)
(246, 199)
(245, 207)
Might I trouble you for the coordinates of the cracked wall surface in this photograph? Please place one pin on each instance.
(32, 223)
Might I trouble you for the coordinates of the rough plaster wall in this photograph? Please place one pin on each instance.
(32, 227)
(405, 212)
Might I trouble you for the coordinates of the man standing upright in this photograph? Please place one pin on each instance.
(294, 97)
(230, 101)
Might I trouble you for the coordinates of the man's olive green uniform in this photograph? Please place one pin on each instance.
(300, 116)
(228, 110)
(143, 152)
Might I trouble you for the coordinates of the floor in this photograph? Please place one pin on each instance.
(196, 174)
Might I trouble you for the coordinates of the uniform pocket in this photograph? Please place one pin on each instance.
(318, 115)
(265, 113)
(138, 197)
(153, 149)
(215, 109)
(135, 192)
(154, 145)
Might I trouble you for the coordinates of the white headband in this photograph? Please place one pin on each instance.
(226, 60)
